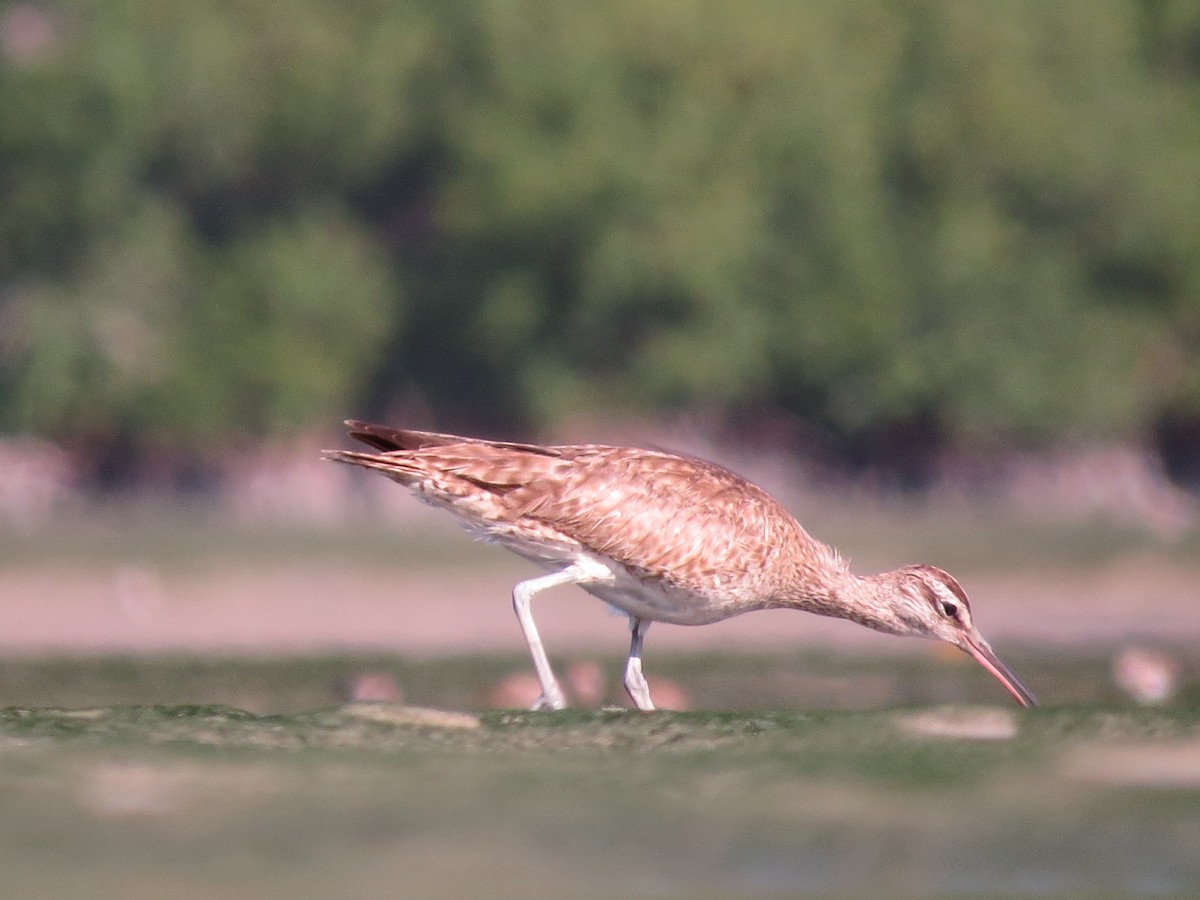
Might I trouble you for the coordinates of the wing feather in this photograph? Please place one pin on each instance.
(682, 520)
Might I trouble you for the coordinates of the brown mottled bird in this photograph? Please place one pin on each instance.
(660, 537)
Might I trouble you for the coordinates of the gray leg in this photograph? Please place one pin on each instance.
(635, 681)
(552, 695)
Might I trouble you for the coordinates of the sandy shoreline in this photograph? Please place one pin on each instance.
(323, 607)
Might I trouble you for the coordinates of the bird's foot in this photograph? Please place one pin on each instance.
(642, 702)
(551, 699)
(637, 688)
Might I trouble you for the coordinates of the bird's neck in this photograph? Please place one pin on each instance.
(833, 590)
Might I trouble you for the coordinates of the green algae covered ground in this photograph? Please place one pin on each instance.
(147, 799)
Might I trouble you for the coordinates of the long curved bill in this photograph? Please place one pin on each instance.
(984, 655)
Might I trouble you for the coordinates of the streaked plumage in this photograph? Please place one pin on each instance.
(662, 537)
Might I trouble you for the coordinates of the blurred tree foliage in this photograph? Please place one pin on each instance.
(219, 219)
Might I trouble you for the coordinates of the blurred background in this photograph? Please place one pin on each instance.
(928, 270)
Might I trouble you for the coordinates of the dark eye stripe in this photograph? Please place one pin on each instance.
(947, 607)
(957, 591)
(953, 586)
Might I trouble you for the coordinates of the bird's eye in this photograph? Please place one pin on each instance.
(950, 610)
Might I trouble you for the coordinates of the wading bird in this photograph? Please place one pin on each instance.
(660, 537)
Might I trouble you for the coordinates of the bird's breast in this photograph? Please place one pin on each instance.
(660, 601)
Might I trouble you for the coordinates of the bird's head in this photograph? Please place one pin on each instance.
(926, 601)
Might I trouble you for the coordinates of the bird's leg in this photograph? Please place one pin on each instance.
(635, 681)
(552, 695)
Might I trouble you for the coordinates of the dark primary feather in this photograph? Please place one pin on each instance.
(391, 440)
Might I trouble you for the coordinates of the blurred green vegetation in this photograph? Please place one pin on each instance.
(978, 221)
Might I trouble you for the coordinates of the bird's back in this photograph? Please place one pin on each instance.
(673, 521)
